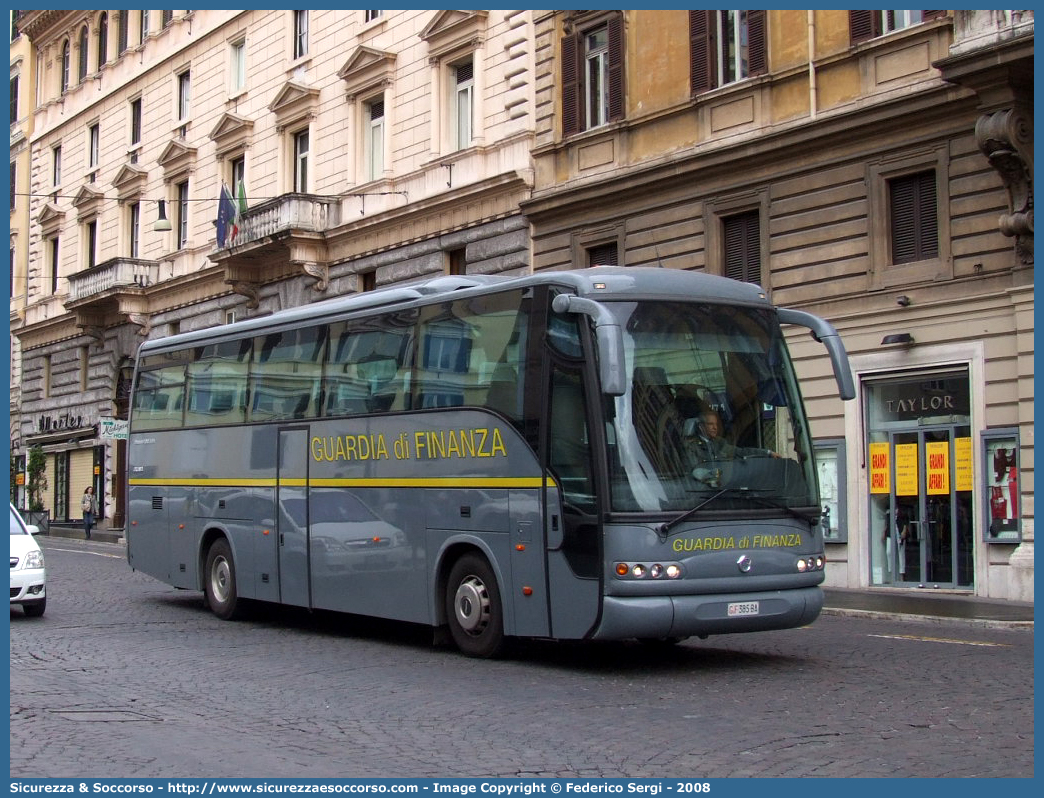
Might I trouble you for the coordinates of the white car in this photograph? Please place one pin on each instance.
(27, 568)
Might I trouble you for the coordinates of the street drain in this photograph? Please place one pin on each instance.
(101, 715)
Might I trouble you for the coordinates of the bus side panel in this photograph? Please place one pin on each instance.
(574, 600)
(528, 589)
(182, 534)
(148, 535)
(367, 552)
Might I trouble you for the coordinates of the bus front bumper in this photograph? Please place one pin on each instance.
(685, 616)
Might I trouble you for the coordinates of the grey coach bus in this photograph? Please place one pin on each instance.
(504, 457)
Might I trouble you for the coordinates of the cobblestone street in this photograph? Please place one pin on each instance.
(125, 676)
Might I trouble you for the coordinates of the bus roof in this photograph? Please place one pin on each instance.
(597, 282)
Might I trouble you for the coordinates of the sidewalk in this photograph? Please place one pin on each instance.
(927, 604)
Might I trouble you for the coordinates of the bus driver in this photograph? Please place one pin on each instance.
(708, 444)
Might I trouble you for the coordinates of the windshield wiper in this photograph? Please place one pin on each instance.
(748, 493)
(779, 506)
(666, 527)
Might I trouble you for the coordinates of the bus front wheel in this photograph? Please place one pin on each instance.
(473, 608)
(220, 584)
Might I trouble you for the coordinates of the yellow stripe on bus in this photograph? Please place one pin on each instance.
(362, 482)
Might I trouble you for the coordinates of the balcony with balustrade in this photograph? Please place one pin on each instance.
(110, 293)
(277, 239)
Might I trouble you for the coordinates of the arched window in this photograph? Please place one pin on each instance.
(82, 71)
(103, 39)
(64, 77)
(122, 32)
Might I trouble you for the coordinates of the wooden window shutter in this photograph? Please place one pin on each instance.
(614, 31)
(914, 218)
(742, 235)
(927, 16)
(701, 51)
(863, 25)
(570, 85)
(757, 42)
(603, 255)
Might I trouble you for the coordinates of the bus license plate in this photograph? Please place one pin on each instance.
(743, 608)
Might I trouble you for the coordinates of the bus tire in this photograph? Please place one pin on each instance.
(219, 584)
(473, 608)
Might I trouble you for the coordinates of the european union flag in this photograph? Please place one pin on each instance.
(226, 212)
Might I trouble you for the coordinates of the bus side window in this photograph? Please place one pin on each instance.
(570, 451)
(286, 374)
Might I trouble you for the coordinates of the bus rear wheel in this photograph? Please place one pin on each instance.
(473, 608)
(220, 583)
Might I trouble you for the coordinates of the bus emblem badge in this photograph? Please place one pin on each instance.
(744, 563)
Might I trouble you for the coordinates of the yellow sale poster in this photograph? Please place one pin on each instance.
(962, 463)
(880, 468)
(906, 469)
(937, 454)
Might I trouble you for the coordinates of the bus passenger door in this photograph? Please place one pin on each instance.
(573, 530)
(292, 513)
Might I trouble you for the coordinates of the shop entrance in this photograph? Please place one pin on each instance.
(920, 467)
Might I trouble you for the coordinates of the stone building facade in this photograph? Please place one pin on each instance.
(372, 147)
(856, 164)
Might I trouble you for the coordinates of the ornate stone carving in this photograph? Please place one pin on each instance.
(1006, 139)
(248, 289)
(95, 331)
(143, 320)
(321, 273)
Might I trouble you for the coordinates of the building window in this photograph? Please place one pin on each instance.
(237, 175)
(14, 180)
(53, 252)
(181, 209)
(865, 25)
(93, 144)
(369, 281)
(143, 26)
(133, 228)
(726, 46)
(592, 76)
(84, 370)
(184, 87)
(135, 121)
(237, 66)
(372, 15)
(596, 69)
(463, 103)
(167, 16)
(64, 75)
(914, 215)
(14, 99)
(375, 139)
(604, 255)
(56, 166)
(122, 31)
(458, 262)
(91, 244)
(741, 237)
(103, 39)
(81, 71)
(301, 145)
(300, 33)
(45, 388)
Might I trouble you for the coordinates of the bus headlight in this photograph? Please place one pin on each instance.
(815, 563)
(640, 570)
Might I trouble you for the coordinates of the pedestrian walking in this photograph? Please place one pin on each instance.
(90, 509)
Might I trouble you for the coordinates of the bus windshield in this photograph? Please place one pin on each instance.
(711, 415)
